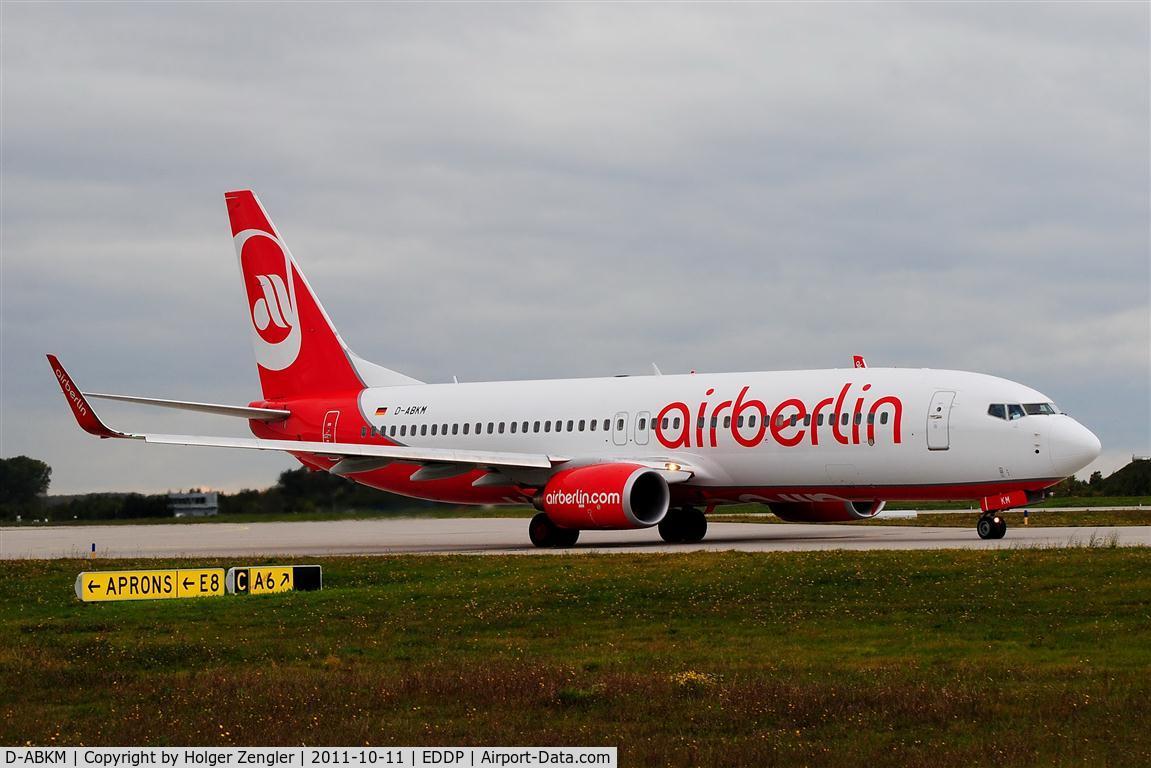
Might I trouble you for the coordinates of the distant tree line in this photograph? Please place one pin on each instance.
(1132, 480)
(24, 482)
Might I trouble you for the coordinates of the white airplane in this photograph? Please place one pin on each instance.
(625, 452)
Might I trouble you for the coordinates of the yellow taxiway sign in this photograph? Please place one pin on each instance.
(101, 586)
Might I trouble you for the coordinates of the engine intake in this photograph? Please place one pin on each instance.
(826, 511)
(605, 496)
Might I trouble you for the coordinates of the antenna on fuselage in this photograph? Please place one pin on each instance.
(655, 371)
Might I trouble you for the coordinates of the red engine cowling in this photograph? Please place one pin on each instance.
(826, 511)
(605, 496)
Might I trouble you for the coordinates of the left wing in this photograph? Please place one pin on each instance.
(91, 423)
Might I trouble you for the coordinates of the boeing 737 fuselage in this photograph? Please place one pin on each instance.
(625, 452)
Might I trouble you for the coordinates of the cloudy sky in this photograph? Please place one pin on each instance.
(517, 191)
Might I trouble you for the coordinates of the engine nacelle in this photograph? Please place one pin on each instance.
(605, 496)
(826, 511)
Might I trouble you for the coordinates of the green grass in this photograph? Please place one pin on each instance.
(1010, 657)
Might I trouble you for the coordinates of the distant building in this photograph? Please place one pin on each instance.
(194, 504)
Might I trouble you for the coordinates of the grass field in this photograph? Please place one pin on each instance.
(1012, 657)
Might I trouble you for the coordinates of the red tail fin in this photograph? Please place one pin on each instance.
(298, 350)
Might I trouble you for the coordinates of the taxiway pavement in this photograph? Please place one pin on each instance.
(504, 536)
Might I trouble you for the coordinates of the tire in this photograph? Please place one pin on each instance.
(670, 529)
(542, 531)
(566, 537)
(693, 526)
(985, 527)
(1001, 528)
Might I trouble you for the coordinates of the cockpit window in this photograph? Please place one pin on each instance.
(1040, 409)
(1014, 412)
(998, 410)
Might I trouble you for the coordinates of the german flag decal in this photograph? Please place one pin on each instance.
(382, 411)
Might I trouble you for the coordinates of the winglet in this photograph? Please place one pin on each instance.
(85, 416)
(858, 361)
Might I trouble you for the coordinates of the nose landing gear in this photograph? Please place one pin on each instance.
(991, 526)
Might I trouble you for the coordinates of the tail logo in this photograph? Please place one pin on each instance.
(270, 285)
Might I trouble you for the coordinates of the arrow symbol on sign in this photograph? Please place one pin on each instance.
(93, 586)
(284, 580)
(187, 582)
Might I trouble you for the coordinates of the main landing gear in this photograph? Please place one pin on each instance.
(546, 534)
(991, 525)
(683, 525)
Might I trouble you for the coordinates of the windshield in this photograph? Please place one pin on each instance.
(1040, 409)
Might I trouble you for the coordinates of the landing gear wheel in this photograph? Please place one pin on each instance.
(546, 534)
(991, 527)
(683, 526)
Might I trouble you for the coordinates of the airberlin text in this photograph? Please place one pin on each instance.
(77, 401)
(851, 418)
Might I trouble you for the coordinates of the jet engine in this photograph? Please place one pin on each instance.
(605, 496)
(826, 511)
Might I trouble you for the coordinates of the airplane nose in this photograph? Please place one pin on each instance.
(1073, 447)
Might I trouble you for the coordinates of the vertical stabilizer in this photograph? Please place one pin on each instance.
(298, 350)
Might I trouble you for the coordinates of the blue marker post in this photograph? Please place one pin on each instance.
(1026, 517)
(92, 554)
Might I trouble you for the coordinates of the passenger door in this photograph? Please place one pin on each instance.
(939, 421)
(619, 428)
(642, 425)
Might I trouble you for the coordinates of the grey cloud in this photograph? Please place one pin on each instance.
(519, 191)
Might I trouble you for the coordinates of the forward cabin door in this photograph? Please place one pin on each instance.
(939, 421)
(619, 428)
(330, 419)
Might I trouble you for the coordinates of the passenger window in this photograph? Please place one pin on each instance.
(675, 423)
(606, 424)
(819, 420)
(491, 427)
(434, 429)
(467, 426)
(571, 426)
(663, 424)
(871, 418)
(714, 422)
(794, 419)
(593, 423)
(883, 417)
(363, 431)
(858, 419)
(1014, 412)
(727, 422)
(501, 427)
(375, 432)
(455, 429)
(404, 431)
(998, 410)
(807, 420)
(581, 425)
(844, 418)
(524, 427)
(547, 426)
(619, 424)
(423, 429)
(739, 422)
(479, 428)
(698, 423)
(536, 427)
(514, 425)
(559, 425)
(751, 421)
(642, 424)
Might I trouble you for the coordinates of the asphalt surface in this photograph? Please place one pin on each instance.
(504, 536)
